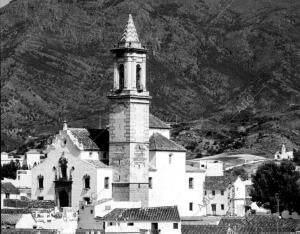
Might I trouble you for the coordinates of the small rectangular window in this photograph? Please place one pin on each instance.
(175, 225)
(222, 206)
(41, 182)
(205, 192)
(92, 211)
(6, 195)
(130, 224)
(222, 192)
(191, 206)
(191, 183)
(106, 182)
(150, 182)
(213, 192)
(170, 158)
(40, 198)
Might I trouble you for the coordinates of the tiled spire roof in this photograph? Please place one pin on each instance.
(130, 34)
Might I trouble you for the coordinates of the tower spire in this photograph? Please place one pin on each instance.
(130, 37)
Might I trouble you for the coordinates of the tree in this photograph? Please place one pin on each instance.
(10, 170)
(272, 180)
(296, 154)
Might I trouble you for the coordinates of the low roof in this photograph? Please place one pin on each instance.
(159, 142)
(97, 163)
(10, 219)
(189, 168)
(91, 139)
(216, 182)
(156, 123)
(159, 214)
(207, 229)
(8, 187)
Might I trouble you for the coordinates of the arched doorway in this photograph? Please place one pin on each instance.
(63, 199)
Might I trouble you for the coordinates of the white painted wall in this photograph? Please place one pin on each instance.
(170, 183)
(26, 221)
(164, 227)
(72, 153)
(164, 132)
(32, 158)
(218, 199)
(240, 196)
(24, 179)
(10, 196)
(212, 167)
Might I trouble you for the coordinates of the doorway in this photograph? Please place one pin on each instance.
(154, 228)
(64, 199)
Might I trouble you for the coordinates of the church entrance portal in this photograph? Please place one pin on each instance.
(63, 199)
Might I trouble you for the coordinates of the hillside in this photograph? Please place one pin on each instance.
(207, 59)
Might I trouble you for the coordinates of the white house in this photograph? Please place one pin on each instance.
(6, 158)
(33, 157)
(242, 199)
(283, 154)
(154, 220)
(211, 167)
(218, 195)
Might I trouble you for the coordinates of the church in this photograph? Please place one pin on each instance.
(133, 161)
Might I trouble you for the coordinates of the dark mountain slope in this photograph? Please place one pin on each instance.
(205, 58)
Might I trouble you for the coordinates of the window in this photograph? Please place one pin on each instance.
(41, 181)
(222, 206)
(138, 77)
(92, 211)
(106, 182)
(170, 158)
(6, 195)
(87, 199)
(86, 179)
(213, 192)
(130, 224)
(19, 177)
(191, 206)
(150, 182)
(191, 183)
(205, 192)
(40, 198)
(121, 76)
(175, 225)
(222, 192)
(139, 185)
(90, 154)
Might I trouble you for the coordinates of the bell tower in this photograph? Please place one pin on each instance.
(129, 119)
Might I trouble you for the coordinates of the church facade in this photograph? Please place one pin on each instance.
(134, 160)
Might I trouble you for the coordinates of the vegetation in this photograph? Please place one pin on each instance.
(10, 170)
(272, 182)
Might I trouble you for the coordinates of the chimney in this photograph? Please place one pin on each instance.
(65, 126)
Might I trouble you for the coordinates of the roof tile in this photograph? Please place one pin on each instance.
(156, 123)
(9, 188)
(163, 213)
(207, 229)
(160, 143)
(217, 182)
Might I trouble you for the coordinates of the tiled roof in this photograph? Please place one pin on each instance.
(166, 213)
(9, 188)
(207, 229)
(158, 142)
(155, 122)
(232, 221)
(91, 139)
(10, 219)
(216, 182)
(130, 34)
(97, 163)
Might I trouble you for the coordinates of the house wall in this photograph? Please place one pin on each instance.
(24, 178)
(11, 196)
(170, 183)
(164, 227)
(32, 158)
(218, 199)
(240, 196)
(26, 221)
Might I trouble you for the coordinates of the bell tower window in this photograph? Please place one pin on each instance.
(121, 76)
(138, 77)
(63, 163)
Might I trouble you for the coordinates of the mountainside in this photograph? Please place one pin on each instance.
(207, 59)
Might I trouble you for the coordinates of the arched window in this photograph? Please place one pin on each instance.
(121, 76)
(138, 77)
(41, 181)
(86, 179)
